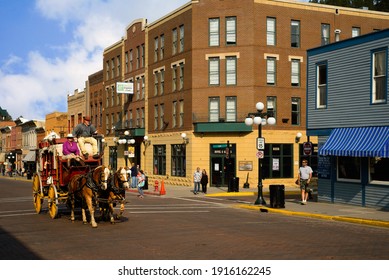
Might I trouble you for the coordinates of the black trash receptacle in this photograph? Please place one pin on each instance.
(233, 184)
(277, 196)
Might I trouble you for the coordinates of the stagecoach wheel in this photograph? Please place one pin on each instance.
(36, 192)
(53, 207)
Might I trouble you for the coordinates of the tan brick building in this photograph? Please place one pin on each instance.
(201, 69)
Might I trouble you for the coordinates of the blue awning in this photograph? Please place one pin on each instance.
(357, 142)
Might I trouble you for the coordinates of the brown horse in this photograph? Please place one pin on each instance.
(83, 188)
(116, 192)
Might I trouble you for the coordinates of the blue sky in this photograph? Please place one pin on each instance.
(49, 47)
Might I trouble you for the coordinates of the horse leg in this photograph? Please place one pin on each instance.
(72, 202)
(91, 210)
(121, 210)
(84, 219)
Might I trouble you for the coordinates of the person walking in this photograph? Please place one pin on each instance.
(304, 178)
(204, 181)
(141, 178)
(197, 180)
(84, 132)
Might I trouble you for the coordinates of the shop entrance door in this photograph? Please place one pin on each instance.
(222, 166)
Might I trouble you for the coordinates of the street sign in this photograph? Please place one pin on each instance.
(260, 143)
(307, 147)
(260, 154)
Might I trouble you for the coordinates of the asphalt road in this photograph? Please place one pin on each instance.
(178, 228)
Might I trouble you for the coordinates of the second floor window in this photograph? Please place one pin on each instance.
(321, 86)
(162, 81)
(214, 109)
(181, 76)
(231, 31)
(231, 109)
(295, 111)
(271, 106)
(379, 83)
(174, 78)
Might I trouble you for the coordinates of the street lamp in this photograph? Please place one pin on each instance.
(260, 118)
(126, 140)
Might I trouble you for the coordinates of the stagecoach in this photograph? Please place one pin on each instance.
(51, 179)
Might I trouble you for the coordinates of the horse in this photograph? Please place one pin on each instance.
(83, 188)
(118, 183)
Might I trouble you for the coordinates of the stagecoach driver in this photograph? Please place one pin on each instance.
(84, 132)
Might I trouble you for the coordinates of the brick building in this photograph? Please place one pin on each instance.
(198, 73)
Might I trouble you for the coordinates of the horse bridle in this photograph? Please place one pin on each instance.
(92, 184)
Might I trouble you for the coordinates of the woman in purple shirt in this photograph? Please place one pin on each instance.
(70, 150)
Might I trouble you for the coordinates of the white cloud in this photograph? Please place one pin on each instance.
(45, 82)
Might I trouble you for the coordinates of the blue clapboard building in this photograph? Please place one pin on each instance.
(347, 108)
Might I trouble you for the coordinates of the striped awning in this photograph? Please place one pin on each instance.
(357, 142)
(29, 157)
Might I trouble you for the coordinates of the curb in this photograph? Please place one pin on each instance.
(376, 223)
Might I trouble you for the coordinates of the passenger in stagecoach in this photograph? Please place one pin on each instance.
(84, 132)
(71, 151)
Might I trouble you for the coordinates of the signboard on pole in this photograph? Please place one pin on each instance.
(260, 143)
(260, 154)
(127, 88)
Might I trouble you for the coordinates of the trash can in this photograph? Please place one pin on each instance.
(277, 196)
(233, 184)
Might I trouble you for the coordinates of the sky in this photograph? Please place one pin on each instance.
(48, 48)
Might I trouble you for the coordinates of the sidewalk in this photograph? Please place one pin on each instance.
(313, 209)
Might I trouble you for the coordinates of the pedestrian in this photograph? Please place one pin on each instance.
(141, 182)
(70, 150)
(304, 178)
(197, 179)
(84, 132)
(134, 173)
(204, 181)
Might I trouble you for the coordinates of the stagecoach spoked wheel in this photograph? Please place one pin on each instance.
(52, 201)
(36, 193)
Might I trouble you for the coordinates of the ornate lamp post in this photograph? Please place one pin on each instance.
(260, 118)
(126, 140)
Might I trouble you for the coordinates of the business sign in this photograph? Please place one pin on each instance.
(126, 88)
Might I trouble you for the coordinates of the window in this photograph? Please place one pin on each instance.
(119, 66)
(271, 70)
(231, 70)
(162, 81)
(162, 50)
(214, 66)
(143, 87)
(161, 116)
(112, 68)
(155, 117)
(181, 76)
(379, 75)
(142, 124)
(107, 69)
(321, 83)
(295, 111)
(156, 85)
(131, 123)
(174, 41)
(230, 31)
(325, 34)
(295, 73)
(131, 60)
(271, 106)
(143, 55)
(231, 109)
(174, 78)
(214, 32)
(271, 31)
(378, 169)
(214, 109)
(295, 34)
(174, 114)
(137, 57)
(159, 160)
(137, 117)
(156, 49)
(138, 86)
(355, 32)
(179, 160)
(181, 121)
(278, 161)
(349, 169)
(181, 49)
(126, 58)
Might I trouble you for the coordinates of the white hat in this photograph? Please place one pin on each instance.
(70, 136)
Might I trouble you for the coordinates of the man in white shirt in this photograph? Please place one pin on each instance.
(304, 178)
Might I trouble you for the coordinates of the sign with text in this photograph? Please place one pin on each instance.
(260, 143)
(127, 88)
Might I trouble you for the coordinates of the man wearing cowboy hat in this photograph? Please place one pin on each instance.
(84, 132)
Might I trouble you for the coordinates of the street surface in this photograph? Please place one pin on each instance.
(178, 228)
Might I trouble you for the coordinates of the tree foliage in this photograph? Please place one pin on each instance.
(375, 5)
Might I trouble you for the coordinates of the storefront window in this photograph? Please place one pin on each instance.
(378, 169)
(349, 169)
(278, 161)
(159, 160)
(179, 160)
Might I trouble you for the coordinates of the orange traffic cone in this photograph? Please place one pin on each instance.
(162, 191)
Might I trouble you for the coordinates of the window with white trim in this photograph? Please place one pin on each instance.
(271, 70)
(321, 85)
(231, 109)
(295, 73)
(214, 71)
(174, 78)
(379, 76)
(181, 76)
(181, 121)
(214, 109)
(295, 110)
(174, 114)
(271, 31)
(231, 70)
(162, 81)
(155, 117)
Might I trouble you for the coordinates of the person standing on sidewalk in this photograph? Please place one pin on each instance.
(204, 181)
(304, 178)
(134, 173)
(197, 180)
(141, 182)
